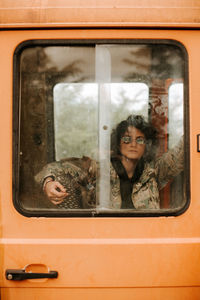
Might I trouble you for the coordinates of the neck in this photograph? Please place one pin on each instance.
(129, 165)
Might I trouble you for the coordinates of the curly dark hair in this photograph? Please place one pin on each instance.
(146, 128)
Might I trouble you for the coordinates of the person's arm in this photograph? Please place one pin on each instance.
(53, 178)
(170, 164)
(54, 190)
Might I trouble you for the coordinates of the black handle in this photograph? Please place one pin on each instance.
(14, 274)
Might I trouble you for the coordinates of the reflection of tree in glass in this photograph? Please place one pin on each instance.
(39, 59)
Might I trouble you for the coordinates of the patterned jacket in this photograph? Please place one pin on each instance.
(81, 174)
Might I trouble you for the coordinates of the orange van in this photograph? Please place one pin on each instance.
(70, 71)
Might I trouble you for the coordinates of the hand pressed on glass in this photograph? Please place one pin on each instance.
(54, 190)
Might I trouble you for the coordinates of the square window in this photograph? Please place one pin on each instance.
(100, 128)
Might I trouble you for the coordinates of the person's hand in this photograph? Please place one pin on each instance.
(55, 191)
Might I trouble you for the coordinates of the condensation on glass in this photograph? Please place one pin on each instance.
(72, 97)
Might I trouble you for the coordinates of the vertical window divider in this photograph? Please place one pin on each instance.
(103, 78)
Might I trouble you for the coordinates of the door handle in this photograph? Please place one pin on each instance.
(18, 275)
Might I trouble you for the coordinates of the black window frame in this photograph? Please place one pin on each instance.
(16, 131)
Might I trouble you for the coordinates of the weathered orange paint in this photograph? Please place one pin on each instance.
(87, 13)
(109, 258)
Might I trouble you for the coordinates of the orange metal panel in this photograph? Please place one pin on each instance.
(162, 255)
(99, 13)
(107, 262)
(182, 293)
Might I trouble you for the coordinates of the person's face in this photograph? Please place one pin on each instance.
(132, 144)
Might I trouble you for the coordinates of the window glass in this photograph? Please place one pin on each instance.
(75, 120)
(175, 123)
(76, 134)
(100, 129)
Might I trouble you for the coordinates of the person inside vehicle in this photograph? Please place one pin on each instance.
(136, 173)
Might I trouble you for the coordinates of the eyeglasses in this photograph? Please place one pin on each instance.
(128, 139)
